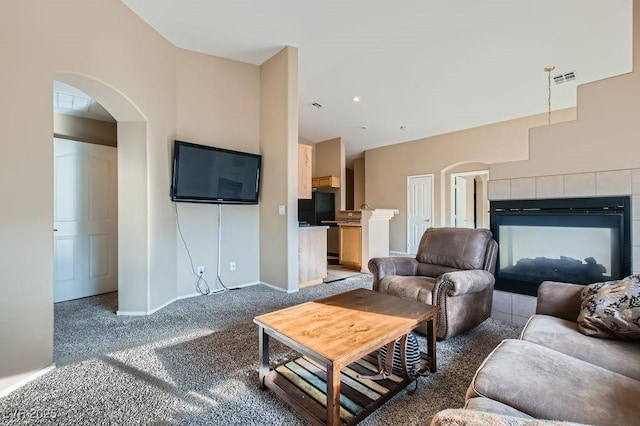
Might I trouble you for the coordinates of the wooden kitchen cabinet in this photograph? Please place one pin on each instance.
(351, 246)
(304, 170)
(326, 182)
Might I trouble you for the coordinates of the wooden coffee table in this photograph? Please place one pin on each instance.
(337, 337)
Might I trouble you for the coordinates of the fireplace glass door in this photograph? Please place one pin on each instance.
(577, 245)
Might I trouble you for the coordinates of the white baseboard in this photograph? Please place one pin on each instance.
(25, 380)
(186, 296)
(275, 287)
(245, 285)
(132, 313)
(165, 304)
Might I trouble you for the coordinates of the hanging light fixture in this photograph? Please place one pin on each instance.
(548, 70)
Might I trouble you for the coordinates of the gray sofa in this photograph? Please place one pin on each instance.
(554, 372)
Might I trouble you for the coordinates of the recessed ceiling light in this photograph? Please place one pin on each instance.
(363, 127)
(356, 99)
(403, 127)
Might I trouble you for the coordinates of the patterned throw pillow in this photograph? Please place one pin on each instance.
(611, 309)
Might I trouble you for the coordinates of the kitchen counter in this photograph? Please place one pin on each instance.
(365, 238)
(312, 255)
(311, 227)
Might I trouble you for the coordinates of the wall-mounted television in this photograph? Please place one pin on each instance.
(206, 174)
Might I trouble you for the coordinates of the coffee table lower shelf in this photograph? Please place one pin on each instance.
(302, 384)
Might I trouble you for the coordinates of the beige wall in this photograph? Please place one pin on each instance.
(387, 168)
(105, 50)
(218, 104)
(133, 210)
(330, 161)
(37, 40)
(358, 183)
(279, 147)
(595, 155)
(605, 136)
(85, 129)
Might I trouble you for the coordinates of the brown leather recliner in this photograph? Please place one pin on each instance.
(453, 269)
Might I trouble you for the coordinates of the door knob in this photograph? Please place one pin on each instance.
(55, 230)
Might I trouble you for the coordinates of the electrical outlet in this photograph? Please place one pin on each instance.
(200, 270)
(281, 210)
(232, 266)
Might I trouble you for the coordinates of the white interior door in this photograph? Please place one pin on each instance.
(419, 209)
(460, 212)
(85, 220)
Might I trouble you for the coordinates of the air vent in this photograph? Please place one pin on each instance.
(71, 102)
(316, 105)
(563, 78)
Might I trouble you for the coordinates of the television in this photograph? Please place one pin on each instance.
(206, 174)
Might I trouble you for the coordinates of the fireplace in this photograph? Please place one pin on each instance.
(578, 240)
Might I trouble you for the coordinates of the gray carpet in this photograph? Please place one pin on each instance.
(195, 362)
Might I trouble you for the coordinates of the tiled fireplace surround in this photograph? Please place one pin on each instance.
(517, 308)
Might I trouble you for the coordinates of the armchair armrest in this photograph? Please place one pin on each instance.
(561, 300)
(383, 266)
(463, 282)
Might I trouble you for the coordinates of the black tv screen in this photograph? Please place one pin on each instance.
(206, 174)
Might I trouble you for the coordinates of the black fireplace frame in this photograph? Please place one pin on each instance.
(620, 206)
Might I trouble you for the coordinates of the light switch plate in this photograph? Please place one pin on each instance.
(281, 209)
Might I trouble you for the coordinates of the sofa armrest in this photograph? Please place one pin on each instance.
(560, 300)
(464, 282)
(383, 266)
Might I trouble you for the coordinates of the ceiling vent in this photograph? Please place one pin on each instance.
(563, 78)
(316, 105)
(71, 102)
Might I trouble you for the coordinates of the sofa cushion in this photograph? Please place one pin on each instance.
(611, 309)
(460, 417)
(413, 288)
(547, 384)
(621, 356)
(454, 247)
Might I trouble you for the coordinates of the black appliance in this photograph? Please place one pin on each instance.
(320, 207)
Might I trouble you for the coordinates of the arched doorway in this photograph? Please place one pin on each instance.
(464, 195)
(132, 189)
(469, 200)
(85, 209)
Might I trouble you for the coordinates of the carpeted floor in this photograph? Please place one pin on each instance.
(195, 362)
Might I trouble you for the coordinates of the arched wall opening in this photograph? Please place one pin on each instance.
(477, 176)
(133, 217)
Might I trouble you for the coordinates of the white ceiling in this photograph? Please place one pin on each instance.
(432, 66)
